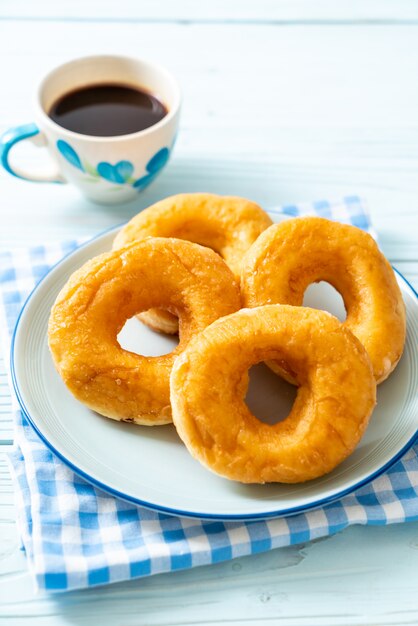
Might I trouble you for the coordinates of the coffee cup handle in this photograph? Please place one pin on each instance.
(20, 133)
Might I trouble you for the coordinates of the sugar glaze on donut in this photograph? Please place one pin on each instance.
(189, 280)
(336, 395)
(289, 256)
(227, 224)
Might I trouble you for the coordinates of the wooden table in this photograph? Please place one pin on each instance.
(320, 99)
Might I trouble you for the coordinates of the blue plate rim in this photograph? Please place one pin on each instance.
(168, 510)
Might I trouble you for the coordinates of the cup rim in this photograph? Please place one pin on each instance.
(172, 112)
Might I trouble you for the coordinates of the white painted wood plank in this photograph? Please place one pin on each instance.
(216, 10)
(346, 122)
(54, 212)
(250, 76)
(361, 576)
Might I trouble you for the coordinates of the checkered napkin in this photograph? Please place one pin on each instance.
(75, 535)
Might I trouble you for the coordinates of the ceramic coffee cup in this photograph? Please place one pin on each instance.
(108, 170)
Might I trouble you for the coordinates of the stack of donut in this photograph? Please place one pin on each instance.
(216, 270)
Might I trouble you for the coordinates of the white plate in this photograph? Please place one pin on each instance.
(150, 466)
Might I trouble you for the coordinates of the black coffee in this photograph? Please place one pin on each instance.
(107, 110)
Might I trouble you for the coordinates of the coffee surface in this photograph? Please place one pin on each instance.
(107, 110)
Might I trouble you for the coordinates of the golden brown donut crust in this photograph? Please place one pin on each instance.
(336, 395)
(289, 256)
(227, 224)
(189, 280)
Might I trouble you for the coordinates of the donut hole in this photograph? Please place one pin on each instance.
(325, 297)
(269, 397)
(138, 338)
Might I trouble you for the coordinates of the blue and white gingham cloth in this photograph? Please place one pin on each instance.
(77, 536)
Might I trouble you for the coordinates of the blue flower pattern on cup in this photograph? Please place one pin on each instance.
(153, 166)
(120, 173)
(70, 154)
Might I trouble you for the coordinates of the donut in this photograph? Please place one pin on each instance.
(291, 255)
(336, 395)
(189, 280)
(227, 224)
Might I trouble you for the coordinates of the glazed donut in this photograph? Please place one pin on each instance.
(336, 395)
(191, 281)
(289, 256)
(226, 224)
